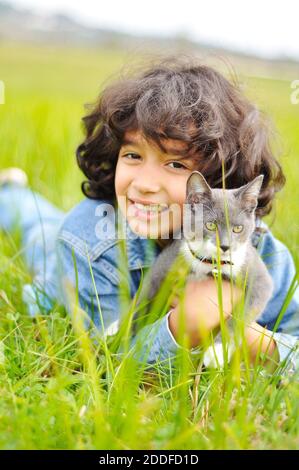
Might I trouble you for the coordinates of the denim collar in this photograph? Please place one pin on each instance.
(141, 251)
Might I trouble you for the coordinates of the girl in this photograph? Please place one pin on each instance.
(144, 136)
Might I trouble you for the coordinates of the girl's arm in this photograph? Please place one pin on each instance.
(151, 344)
(281, 315)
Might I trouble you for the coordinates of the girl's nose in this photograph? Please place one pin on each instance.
(146, 183)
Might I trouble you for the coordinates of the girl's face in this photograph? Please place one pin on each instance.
(145, 175)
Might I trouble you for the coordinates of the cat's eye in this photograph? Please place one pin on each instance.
(237, 228)
(211, 226)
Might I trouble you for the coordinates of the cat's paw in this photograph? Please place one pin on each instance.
(213, 356)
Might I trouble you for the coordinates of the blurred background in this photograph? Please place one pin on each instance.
(56, 55)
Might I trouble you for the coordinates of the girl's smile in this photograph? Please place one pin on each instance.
(148, 211)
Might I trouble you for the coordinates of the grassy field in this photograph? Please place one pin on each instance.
(56, 389)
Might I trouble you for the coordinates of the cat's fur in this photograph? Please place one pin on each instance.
(225, 208)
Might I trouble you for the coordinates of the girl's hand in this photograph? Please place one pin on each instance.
(201, 309)
(259, 340)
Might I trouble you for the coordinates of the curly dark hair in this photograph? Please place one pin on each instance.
(178, 97)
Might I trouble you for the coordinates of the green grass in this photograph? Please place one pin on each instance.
(59, 390)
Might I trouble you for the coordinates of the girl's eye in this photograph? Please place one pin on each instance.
(178, 163)
(127, 154)
(211, 226)
(237, 228)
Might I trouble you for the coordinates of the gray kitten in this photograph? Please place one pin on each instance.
(231, 214)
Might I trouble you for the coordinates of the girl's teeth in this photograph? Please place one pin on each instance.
(157, 208)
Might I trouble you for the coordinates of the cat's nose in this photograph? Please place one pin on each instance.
(224, 248)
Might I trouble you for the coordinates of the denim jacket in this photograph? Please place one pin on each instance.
(88, 234)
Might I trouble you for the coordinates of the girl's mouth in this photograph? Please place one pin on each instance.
(145, 212)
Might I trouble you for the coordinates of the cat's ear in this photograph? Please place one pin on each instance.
(249, 193)
(197, 187)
